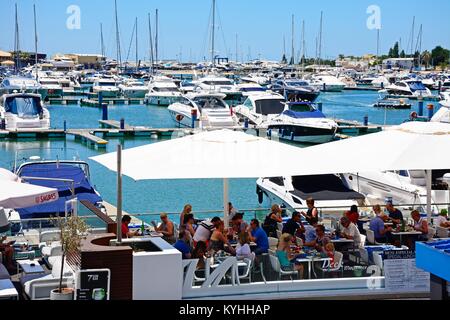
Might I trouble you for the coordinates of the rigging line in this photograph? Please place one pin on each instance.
(131, 41)
(206, 37)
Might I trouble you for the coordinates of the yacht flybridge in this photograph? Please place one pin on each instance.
(203, 110)
(409, 88)
(259, 108)
(24, 111)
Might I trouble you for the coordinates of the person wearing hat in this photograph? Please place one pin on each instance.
(441, 220)
(166, 228)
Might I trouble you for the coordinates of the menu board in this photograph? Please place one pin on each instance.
(401, 273)
(93, 284)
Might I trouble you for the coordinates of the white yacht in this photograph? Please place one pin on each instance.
(51, 87)
(328, 83)
(108, 88)
(327, 191)
(162, 91)
(380, 82)
(250, 88)
(133, 89)
(407, 187)
(19, 84)
(260, 108)
(302, 122)
(213, 83)
(24, 111)
(409, 88)
(210, 110)
(256, 78)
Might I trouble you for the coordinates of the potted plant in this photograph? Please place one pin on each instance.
(73, 230)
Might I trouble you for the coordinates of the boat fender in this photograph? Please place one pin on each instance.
(260, 194)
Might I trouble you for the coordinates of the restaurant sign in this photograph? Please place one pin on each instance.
(401, 273)
(93, 284)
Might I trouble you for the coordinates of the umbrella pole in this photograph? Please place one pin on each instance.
(119, 193)
(225, 201)
(428, 175)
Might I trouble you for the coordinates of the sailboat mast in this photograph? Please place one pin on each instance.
(35, 44)
(320, 37)
(412, 36)
(151, 42)
(119, 58)
(378, 43)
(303, 47)
(137, 57)
(156, 36)
(16, 42)
(102, 40)
(213, 31)
(237, 48)
(292, 42)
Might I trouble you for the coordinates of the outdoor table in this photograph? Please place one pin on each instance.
(406, 233)
(29, 266)
(310, 260)
(7, 290)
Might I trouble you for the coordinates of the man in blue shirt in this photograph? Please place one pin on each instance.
(259, 236)
(182, 244)
(381, 233)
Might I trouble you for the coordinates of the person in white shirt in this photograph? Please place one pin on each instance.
(441, 220)
(350, 231)
(243, 247)
(205, 230)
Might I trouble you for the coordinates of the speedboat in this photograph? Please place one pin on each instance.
(133, 89)
(409, 88)
(328, 83)
(71, 178)
(391, 103)
(203, 110)
(162, 92)
(407, 187)
(256, 78)
(249, 88)
(295, 90)
(24, 111)
(213, 83)
(443, 114)
(107, 87)
(380, 82)
(260, 108)
(51, 88)
(330, 191)
(301, 122)
(20, 84)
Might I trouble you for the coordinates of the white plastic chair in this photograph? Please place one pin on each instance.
(273, 243)
(431, 233)
(277, 268)
(371, 237)
(279, 234)
(336, 266)
(442, 232)
(247, 274)
(378, 260)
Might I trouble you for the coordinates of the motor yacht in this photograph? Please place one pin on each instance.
(51, 88)
(203, 110)
(162, 91)
(24, 111)
(20, 84)
(214, 83)
(295, 90)
(302, 122)
(133, 89)
(329, 191)
(260, 108)
(108, 88)
(328, 83)
(409, 88)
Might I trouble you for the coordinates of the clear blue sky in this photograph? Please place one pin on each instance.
(260, 25)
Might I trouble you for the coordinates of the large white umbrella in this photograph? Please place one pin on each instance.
(22, 195)
(214, 154)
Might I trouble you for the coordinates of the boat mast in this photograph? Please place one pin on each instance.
(151, 42)
(419, 45)
(412, 36)
(303, 48)
(213, 31)
(35, 44)
(320, 37)
(119, 58)
(292, 43)
(237, 48)
(16, 42)
(137, 57)
(156, 37)
(102, 40)
(378, 45)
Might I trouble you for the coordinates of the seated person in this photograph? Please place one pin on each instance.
(238, 225)
(126, 233)
(293, 225)
(420, 224)
(166, 228)
(382, 234)
(243, 248)
(258, 236)
(231, 212)
(353, 214)
(350, 231)
(286, 256)
(8, 252)
(186, 210)
(321, 239)
(199, 253)
(329, 250)
(394, 214)
(182, 244)
(188, 223)
(205, 229)
(218, 240)
(310, 232)
(441, 220)
(270, 223)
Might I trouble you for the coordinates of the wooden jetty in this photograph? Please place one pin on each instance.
(88, 136)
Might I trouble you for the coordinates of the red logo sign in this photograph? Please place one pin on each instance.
(46, 198)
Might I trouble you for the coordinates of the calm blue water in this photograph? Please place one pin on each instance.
(156, 196)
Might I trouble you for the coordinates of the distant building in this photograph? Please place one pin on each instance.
(357, 63)
(398, 63)
(89, 61)
(26, 58)
(6, 58)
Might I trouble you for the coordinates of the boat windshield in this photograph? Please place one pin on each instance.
(106, 84)
(24, 107)
(297, 83)
(219, 83)
(209, 103)
(165, 89)
(253, 89)
(416, 85)
(301, 107)
(269, 106)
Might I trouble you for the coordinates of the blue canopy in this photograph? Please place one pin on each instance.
(304, 115)
(82, 186)
(416, 86)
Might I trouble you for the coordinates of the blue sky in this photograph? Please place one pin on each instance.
(260, 25)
